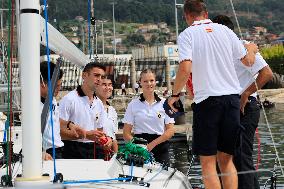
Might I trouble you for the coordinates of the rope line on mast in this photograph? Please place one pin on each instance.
(89, 29)
(49, 87)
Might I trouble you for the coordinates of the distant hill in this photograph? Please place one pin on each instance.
(267, 13)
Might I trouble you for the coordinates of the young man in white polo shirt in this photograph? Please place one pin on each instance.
(81, 107)
(208, 50)
(47, 135)
(250, 111)
(104, 92)
(47, 142)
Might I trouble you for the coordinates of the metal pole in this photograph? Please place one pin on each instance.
(96, 39)
(176, 17)
(92, 27)
(83, 36)
(2, 33)
(168, 76)
(176, 20)
(113, 20)
(103, 38)
(133, 73)
(30, 58)
(2, 42)
(18, 25)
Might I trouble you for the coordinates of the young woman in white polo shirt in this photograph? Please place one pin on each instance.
(104, 91)
(146, 118)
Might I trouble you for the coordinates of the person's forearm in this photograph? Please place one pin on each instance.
(265, 75)
(164, 137)
(65, 133)
(249, 58)
(182, 76)
(127, 136)
(115, 146)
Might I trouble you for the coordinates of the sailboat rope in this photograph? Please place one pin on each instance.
(257, 89)
(232, 173)
(49, 88)
(8, 130)
(89, 28)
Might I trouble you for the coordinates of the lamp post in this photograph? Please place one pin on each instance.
(176, 18)
(103, 36)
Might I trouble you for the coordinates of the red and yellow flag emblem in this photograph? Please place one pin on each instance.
(208, 30)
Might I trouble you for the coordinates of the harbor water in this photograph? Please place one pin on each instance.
(180, 158)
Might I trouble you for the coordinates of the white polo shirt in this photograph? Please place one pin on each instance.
(212, 48)
(246, 74)
(146, 118)
(111, 124)
(47, 135)
(75, 107)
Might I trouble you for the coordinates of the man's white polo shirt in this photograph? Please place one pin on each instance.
(75, 107)
(47, 135)
(246, 74)
(111, 124)
(212, 48)
(146, 118)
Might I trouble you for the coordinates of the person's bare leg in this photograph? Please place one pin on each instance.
(227, 167)
(209, 173)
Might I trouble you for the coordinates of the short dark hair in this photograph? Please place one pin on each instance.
(92, 65)
(224, 20)
(194, 7)
(109, 77)
(44, 71)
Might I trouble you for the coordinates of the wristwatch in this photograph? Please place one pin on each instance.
(175, 95)
(68, 124)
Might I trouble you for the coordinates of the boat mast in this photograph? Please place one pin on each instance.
(30, 84)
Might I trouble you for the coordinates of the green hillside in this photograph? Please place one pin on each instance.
(268, 13)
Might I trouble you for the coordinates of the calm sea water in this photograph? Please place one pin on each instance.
(275, 116)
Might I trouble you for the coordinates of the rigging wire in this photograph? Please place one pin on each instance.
(89, 28)
(11, 87)
(236, 18)
(49, 87)
(257, 89)
(7, 126)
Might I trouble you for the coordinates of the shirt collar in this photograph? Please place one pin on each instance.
(199, 22)
(107, 103)
(81, 92)
(142, 99)
(42, 99)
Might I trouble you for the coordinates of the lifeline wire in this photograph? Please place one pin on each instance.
(264, 112)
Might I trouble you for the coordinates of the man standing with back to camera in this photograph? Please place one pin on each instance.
(250, 111)
(208, 50)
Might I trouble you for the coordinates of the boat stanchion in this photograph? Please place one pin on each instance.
(58, 178)
(6, 181)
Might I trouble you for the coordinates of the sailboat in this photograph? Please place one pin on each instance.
(32, 171)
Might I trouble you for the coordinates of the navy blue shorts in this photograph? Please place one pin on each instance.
(216, 125)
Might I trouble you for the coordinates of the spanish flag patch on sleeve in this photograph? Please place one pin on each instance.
(208, 30)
